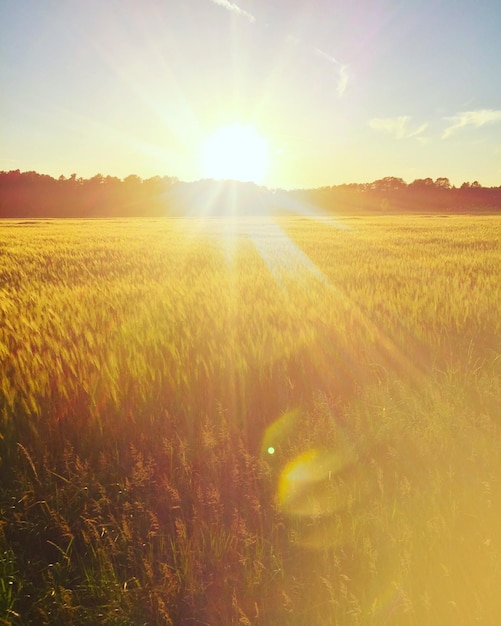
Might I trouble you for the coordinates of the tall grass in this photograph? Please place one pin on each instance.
(255, 421)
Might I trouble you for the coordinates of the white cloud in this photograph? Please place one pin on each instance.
(418, 131)
(326, 56)
(471, 118)
(343, 80)
(231, 6)
(342, 70)
(397, 126)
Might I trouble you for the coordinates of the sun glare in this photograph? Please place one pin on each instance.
(235, 152)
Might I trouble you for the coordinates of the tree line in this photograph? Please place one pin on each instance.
(34, 195)
(394, 194)
(29, 194)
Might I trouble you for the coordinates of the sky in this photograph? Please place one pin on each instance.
(341, 91)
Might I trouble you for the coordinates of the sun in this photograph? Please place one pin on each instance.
(235, 152)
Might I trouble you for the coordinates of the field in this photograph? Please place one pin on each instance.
(259, 421)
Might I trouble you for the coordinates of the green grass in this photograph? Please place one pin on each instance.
(147, 367)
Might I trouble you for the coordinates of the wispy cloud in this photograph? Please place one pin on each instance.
(399, 126)
(471, 118)
(234, 8)
(342, 70)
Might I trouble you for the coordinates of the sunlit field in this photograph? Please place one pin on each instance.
(260, 421)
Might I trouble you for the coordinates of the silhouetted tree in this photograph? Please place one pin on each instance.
(443, 183)
(29, 194)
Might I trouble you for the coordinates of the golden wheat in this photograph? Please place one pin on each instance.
(150, 367)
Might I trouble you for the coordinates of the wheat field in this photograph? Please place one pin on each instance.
(260, 421)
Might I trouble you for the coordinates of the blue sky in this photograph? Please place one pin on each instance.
(345, 91)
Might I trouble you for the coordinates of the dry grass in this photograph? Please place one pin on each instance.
(147, 367)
